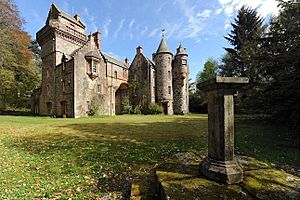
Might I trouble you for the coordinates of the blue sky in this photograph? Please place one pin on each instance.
(199, 24)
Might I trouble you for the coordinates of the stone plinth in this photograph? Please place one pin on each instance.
(220, 164)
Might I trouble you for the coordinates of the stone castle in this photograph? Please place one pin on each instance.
(77, 74)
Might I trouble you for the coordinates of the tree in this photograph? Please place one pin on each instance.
(209, 71)
(243, 59)
(198, 99)
(282, 61)
(245, 39)
(19, 73)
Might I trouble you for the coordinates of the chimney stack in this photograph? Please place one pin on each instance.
(77, 17)
(139, 50)
(97, 39)
(126, 61)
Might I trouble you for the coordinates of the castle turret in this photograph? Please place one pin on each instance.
(163, 62)
(61, 35)
(180, 81)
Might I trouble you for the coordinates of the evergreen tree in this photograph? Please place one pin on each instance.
(245, 39)
(282, 61)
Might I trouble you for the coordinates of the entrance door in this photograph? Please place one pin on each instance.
(64, 108)
(165, 107)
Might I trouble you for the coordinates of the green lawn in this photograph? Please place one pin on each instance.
(89, 157)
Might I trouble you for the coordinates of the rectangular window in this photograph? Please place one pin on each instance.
(63, 86)
(94, 70)
(116, 74)
(169, 74)
(183, 62)
(99, 88)
(169, 88)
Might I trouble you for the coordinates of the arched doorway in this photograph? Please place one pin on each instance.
(120, 95)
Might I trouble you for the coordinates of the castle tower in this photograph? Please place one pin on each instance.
(62, 34)
(163, 79)
(180, 81)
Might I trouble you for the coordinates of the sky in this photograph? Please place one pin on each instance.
(200, 25)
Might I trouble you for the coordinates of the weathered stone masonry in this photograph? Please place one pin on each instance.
(77, 74)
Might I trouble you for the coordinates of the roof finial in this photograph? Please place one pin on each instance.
(163, 33)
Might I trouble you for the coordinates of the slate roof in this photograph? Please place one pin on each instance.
(163, 47)
(93, 54)
(114, 60)
(181, 50)
(67, 16)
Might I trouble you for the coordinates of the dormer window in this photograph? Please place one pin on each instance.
(92, 65)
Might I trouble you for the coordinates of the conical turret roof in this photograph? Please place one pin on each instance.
(163, 47)
(181, 50)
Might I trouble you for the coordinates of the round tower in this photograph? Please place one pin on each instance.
(181, 81)
(163, 79)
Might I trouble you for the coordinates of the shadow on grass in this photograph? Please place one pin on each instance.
(271, 143)
(111, 152)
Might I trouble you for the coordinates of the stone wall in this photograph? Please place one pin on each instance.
(141, 79)
(163, 80)
(64, 89)
(180, 84)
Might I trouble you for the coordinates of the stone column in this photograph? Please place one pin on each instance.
(220, 164)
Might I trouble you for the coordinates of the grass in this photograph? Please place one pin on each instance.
(86, 158)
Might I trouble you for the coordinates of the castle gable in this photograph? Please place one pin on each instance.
(55, 13)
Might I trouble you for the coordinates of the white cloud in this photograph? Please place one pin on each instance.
(91, 20)
(153, 32)
(263, 7)
(106, 26)
(218, 11)
(131, 23)
(206, 13)
(144, 31)
(227, 23)
(194, 25)
(119, 28)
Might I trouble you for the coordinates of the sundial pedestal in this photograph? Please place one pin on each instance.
(220, 164)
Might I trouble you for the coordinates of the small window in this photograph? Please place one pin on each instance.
(169, 88)
(169, 74)
(116, 74)
(99, 88)
(94, 69)
(183, 62)
(63, 86)
(88, 106)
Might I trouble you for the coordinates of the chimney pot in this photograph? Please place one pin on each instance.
(139, 50)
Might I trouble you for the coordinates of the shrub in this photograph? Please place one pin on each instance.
(94, 109)
(127, 107)
(154, 109)
(137, 110)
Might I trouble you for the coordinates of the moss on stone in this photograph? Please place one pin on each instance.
(272, 184)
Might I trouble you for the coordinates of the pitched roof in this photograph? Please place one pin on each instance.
(163, 47)
(114, 60)
(94, 54)
(67, 16)
(181, 50)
